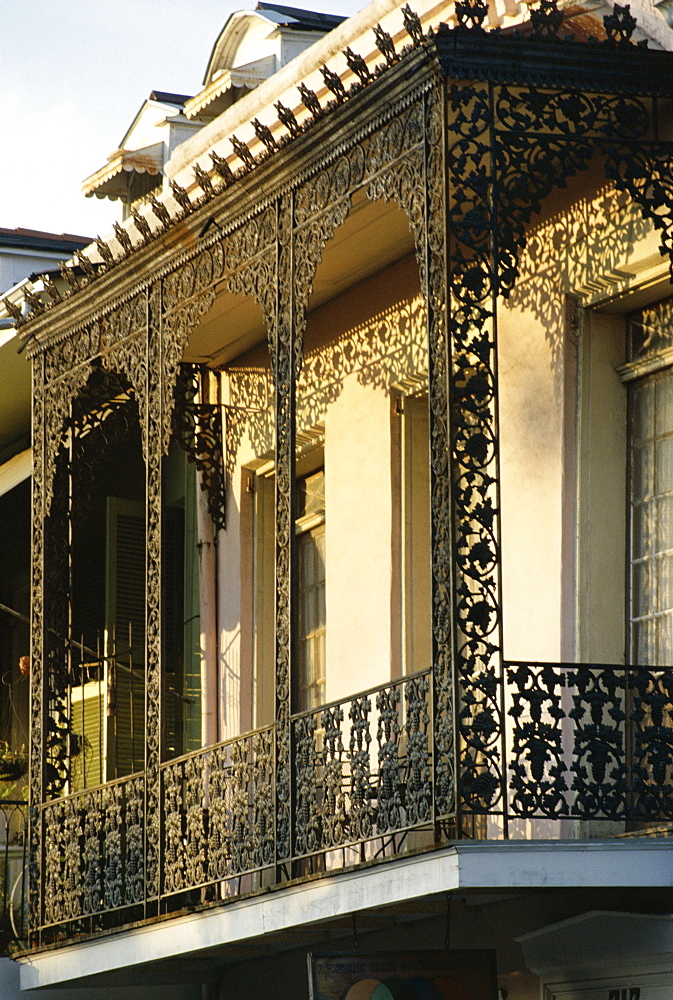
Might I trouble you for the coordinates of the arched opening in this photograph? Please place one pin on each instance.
(95, 590)
(363, 558)
(228, 610)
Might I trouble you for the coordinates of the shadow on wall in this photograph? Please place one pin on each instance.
(576, 252)
(386, 350)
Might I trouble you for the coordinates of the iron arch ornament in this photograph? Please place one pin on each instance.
(468, 131)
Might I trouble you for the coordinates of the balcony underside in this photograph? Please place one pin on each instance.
(304, 913)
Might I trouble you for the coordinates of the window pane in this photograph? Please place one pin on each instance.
(664, 535)
(311, 630)
(664, 640)
(642, 472)
(643, 632)
(664, 464)
(643, 413)
(663, 404)
(665, 582)
(643, 594)
(643, 533)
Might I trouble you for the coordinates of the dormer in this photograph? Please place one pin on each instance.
(135, 169)
(252, 46)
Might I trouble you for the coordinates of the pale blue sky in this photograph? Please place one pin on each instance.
(73, 73)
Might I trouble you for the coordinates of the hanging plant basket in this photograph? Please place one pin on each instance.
(12, 765)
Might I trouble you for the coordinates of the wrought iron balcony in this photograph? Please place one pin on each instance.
(13, 886)
(538, 744)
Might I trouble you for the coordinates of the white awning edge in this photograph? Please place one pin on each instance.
(14, 471)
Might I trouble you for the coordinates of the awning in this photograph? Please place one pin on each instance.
(111, 181)
(249, 75)
(14, 471)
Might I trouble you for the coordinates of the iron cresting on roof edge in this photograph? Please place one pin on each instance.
(474, 54)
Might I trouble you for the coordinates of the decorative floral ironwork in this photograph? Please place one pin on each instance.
(160, 210)
(620, 24)
(471, 14)
(307, 833)
(538, 769)
(218, 805)
(385, 45)
(357, 65)
(203, 180)
(222, 168)
(287, 118)
(69, 275)
(181, 196)
(652, 716)
(334, 84)
(346, 792)
(264, 134)
(388, 794)
(546, 19)
(123, 238)
(153, 431)
(198, 430)
(105, 252)
(310, 101)
(87, 266)
(242, 152)
(142, 225)
(412, 23)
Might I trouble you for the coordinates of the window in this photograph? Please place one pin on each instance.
(309, 677)
(310, 527)
(651, 487)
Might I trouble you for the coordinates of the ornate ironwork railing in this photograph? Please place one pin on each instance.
(589, 742)
(13, 887)
(363, 769)
(569, 742)
(217, 809)
(94, 858)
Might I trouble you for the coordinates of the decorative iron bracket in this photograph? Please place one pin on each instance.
(197, 428)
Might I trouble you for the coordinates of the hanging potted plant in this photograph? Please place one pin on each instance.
(13, 764)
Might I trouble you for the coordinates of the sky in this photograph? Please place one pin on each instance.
(73, 74)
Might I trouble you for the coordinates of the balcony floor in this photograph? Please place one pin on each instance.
(219, 930)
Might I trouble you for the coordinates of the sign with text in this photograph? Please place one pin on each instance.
(406, 975)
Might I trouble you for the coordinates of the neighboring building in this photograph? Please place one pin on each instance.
(23, 252)
(26, 251)
(253, 45)
(352, 616)
(134, 171)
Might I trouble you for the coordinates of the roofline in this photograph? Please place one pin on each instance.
(294, 13)
(29, 239)
(299, 69)
(154, 100)
(236, 14)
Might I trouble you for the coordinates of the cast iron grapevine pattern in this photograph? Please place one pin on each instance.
(218, 805)
(572, 726)
(471, 132)
(363, 767)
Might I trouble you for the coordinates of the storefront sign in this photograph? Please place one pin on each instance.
(410, 975)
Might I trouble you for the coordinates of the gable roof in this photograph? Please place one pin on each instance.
(298, 19)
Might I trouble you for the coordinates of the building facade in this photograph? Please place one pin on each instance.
(351, 625)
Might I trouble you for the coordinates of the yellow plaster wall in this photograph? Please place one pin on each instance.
(358, 538)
